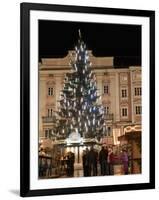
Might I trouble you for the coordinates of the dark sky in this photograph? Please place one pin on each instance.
(121, 41)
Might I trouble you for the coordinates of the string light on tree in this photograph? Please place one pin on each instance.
(79, 99)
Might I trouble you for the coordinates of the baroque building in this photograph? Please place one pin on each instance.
(120, 90)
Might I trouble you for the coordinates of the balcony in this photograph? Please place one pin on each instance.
(109, 116)
(49, 119)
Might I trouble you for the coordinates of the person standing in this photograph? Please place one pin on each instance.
(92, 162)
(85, 162)
(68, 163)
(125, 160)
(40, 168)
(110, 162)
(45, 167)
(50, 168)
(96, 162)
(103, 155)
(72, 161)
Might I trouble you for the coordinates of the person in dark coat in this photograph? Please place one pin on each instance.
(92, 160)
(40, 168)
(45, 167)
(103, 156)
(68, 161)
(72, 161)
(50, 168)
(96, 162)
(85, 162)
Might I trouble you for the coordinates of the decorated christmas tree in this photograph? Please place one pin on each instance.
(79, 111)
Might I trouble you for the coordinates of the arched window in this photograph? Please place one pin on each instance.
(106, 89)
(50, 91)
(50, 112)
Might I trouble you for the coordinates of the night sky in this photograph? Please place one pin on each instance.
(121, 41)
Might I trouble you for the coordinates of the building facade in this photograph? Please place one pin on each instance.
(120, 90)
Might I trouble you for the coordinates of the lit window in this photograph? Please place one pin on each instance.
(50, 91)
(138, 91)
(124, 93)
(138, 110)
(106, 89)
(124, 112)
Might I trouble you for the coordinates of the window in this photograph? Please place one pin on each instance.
(124, 112)
(138, 91)
(48, 133)
(106, 89)
(109, 131)
(106, 110)
(138, 110)
(50, 91)
(50, 112)
(124, 93)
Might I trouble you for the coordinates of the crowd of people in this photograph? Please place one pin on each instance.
(106, 159)
(94, 162)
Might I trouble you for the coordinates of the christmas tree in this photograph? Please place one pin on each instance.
(80, 111)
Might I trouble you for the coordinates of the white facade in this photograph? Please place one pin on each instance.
(120, 90)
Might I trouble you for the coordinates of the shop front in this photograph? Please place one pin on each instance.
(131, 141)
